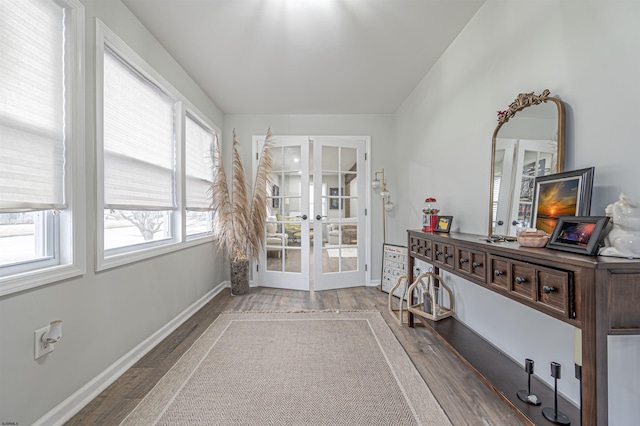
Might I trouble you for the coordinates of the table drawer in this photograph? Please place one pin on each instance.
(500, 273)
(472, 263)
(524, 280)
(545, 287)
(444, 255)
(421, 247)
(554, 289)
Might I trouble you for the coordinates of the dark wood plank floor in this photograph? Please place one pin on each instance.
(463, 397)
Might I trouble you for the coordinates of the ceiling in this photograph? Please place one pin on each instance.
(306, 56)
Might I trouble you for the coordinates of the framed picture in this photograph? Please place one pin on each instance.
(275, 193)
(578, 234)
(444, 223)
(394, 264)
(334, 203)
(561, 194)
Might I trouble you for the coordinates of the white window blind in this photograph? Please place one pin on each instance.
(199, 164)
(139, 154)
(32, 73)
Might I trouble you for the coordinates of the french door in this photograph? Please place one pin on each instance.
(339, 213)
(315, 232)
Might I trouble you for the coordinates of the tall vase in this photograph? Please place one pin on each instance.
(239, 277)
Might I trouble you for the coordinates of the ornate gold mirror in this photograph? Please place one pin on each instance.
(526, 146)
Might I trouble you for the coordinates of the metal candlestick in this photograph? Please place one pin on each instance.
(552, 414)
(526, 395)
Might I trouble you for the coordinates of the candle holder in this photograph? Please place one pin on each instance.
(526, 395)
(552, 414)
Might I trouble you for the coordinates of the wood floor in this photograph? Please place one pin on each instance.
(465, 399)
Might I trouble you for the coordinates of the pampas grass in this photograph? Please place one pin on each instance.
(239, 219)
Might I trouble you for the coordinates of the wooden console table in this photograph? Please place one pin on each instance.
(600, 295)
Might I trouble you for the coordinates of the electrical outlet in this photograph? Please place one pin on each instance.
(41, 348)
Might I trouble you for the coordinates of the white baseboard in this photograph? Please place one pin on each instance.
(74, 403)
(374, 283)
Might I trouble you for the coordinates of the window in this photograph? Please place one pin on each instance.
(153, 160)
(139, 157)
(41, 121)
(199, 141)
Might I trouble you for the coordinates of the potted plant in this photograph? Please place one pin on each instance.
(240, 217)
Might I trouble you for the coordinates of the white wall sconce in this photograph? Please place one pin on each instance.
(46, 337)
(379, 182)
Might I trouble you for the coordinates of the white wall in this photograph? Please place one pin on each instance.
(104, 315)
(584, 52)
(379, 127)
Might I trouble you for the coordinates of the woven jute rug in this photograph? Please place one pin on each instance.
(308, 368)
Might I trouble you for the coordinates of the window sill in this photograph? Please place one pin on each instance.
(120, 259)
(36, 278)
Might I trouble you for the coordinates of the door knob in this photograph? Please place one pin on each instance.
(501, 222)
(319, 217)
(303, 217)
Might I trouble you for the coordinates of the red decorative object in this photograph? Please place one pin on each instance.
(430, 218)
(431, 222)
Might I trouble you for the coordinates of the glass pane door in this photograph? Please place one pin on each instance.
(285, 260)
(338, 210)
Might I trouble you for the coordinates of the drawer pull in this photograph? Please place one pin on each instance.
(476, 264)
(427, 249)
(463, 261)
(438, 253)
(548, 289)
(446, 256)
(498, 272)
(520, 280)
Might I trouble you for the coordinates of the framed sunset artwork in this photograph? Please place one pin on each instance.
(561, 194)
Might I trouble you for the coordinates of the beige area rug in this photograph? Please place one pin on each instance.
(311, 368)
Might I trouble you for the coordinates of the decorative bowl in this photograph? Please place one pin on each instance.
(533, 238)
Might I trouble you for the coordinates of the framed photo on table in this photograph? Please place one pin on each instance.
(578, 234)
(444, 223)
(561, 194)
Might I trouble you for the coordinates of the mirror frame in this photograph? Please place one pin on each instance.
(525, 100)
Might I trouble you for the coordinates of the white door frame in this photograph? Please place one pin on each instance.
(259, 269)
